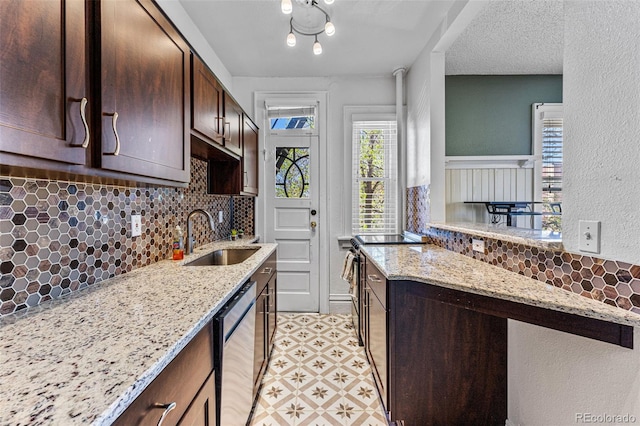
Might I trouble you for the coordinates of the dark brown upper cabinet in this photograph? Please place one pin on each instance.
(43, 83)
(232, 125)
(96, 91)
(208, 102)
(144, 109)
(230, 176)
(249, 156)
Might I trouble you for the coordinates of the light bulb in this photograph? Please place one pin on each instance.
(291, 39)
(317, 48)
(329, 28)
(328, 1)
(286, 7)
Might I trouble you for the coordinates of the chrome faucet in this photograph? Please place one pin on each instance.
(189, 243)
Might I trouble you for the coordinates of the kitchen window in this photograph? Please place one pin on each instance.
(374, 175)
(548, 139)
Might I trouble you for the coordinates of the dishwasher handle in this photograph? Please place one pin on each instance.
(237, 309)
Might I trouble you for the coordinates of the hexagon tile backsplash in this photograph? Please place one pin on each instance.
(612, 282)
(57, 237)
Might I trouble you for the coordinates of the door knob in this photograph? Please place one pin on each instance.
(313, 225)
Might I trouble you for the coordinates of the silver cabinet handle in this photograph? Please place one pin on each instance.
(373, 278)
(167, 409)
(224, 131)
(114, 121)
(246, 177)
(83, 115)
(266, 270)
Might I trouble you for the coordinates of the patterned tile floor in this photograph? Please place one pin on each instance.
(318, 375)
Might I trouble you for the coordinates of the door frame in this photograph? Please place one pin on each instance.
(323, 238)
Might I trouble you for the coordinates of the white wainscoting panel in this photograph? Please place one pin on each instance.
(486, 184)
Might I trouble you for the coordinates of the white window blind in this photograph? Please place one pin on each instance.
(552, 159)
(375, 177)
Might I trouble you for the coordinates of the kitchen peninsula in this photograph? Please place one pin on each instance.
(447, 330)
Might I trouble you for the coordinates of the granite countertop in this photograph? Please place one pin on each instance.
(434, 265)
(84, 358)
(531, 237)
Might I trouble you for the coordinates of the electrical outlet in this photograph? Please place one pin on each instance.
(220, 217)
(477, 245)
(589, 236)
(136, 225)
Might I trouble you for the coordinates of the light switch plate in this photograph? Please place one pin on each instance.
(220, 217)
(589, 236)
(136, 225)
(477, 245)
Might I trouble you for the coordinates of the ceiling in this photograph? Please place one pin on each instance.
(511, 37)
(373, 37)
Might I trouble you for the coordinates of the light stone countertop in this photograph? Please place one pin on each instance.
(531, 237)
(84, 358)
(434, 265)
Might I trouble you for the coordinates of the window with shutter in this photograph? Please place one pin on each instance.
(375, 177)
(548, 134)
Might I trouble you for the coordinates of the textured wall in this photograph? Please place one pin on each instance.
(418, 122)
(602, 124)
(553, 376)
(58, 237)
(491, 114)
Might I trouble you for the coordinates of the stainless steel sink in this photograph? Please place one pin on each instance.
(229, 256)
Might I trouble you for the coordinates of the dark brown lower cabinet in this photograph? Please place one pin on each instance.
(266, 312)
(202, 411)
(186, 381)
(447, 364)
(433, 363)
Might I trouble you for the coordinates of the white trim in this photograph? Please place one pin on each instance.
(491, 161)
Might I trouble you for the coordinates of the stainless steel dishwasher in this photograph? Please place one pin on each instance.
(236, 325)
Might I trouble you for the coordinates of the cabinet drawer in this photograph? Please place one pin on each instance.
(376, 281)
(179, 382)
(264, 272)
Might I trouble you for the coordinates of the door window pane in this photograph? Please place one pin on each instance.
(292, 173)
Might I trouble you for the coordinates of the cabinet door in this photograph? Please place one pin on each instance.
(43, 80)
(259, 355)
(202, 411)
(249, 157)
(179, 382)
(207, 98)
(145, 80)
(232, 125)
(377, 343)
(272, 321)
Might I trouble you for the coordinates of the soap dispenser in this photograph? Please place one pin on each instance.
(178, 244)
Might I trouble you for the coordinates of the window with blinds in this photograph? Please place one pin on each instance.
(552, 171)
(375, 177)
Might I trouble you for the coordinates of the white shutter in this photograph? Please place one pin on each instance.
(552, 160)
(374, 177)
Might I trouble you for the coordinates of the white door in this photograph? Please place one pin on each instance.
(293, 218)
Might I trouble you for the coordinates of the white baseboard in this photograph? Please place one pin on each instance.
(339, 307)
